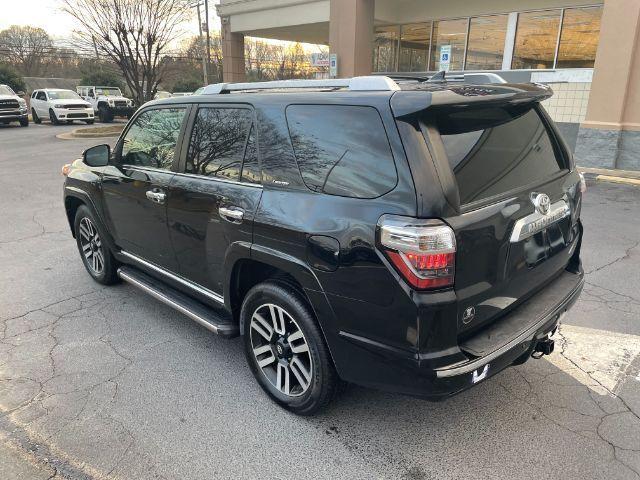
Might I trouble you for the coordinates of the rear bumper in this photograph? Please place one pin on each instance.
(491, 350)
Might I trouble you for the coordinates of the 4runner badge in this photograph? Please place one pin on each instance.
(541, 202)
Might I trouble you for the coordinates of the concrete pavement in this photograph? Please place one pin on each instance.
(103, 383)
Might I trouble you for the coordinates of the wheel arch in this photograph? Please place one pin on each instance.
(263, 264)
(75, 198)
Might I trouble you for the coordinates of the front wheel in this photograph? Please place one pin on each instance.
(104, 114)
(286, 350)
(34, 115)
(96, 256)
(89, 122)
(53, 118)
(24, 122)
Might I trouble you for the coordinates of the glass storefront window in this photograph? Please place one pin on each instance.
(449, 32)
(536, 39)
(579, 37)
(385, 48)
(415, 40)
(486, 42)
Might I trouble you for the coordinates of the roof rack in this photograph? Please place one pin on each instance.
(371, 83)
(444, 77)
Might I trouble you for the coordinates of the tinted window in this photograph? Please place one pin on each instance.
(342, 150)
(218, 142)
(511, 150)
(152, 137)
(250, 167)
(41, 96)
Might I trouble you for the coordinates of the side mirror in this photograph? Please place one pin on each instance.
(97, 156)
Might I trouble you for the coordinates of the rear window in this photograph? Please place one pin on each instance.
(495, 150)
(342, 150)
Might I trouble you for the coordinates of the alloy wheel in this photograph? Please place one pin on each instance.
(281, 350)
(91, 246)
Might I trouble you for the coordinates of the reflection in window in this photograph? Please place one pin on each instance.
(415, 41)
(512, 150)
(151, 139)
(486, 42)
(218, 142)
(342, 150)
(385, 48)
(449, 32)
(536, 39)
(250, 167)
(579, 37)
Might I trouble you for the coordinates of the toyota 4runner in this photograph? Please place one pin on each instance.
(409, 235)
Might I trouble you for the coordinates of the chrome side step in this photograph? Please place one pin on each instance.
(217, 321)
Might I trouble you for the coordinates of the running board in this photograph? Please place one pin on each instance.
(215, 320)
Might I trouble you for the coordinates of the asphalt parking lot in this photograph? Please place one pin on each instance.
(102, 382)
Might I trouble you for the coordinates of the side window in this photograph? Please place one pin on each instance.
(33, 95)
(250, 167)
(218, 142)
(41, 96)
(342, 150)
(151, 139)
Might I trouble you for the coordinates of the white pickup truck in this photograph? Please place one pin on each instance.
(107, 102)
(13, 108)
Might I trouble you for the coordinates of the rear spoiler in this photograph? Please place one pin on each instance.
(410, 102)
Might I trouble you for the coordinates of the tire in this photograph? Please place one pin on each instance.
(36, 118)
(273, 357)
(69, 122)
(98, 260)
(24, 122)
(89, 122)
(53, 118)
(104, 114)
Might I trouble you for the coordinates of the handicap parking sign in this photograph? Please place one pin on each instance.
(445, 58)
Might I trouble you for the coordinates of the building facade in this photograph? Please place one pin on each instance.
(588, 51)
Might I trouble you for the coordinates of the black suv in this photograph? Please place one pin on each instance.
(408, 235)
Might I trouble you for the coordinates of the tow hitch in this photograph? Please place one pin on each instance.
(543, 347)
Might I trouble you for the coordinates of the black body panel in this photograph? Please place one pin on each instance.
(380, 331)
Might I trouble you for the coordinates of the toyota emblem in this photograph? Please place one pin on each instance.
(541, 202)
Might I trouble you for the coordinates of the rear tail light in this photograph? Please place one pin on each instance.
(422, 251)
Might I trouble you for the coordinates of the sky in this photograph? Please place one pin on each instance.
(47, 15)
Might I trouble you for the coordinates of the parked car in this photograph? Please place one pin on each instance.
(59, 106)
(181, 94)
(412, 236)
(107, 102)
(199, 91)
(13, 108)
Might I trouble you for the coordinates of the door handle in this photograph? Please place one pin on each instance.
(156, 196)
(233, 214)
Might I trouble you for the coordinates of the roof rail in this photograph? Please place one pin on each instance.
(444, 77)
(371, 83)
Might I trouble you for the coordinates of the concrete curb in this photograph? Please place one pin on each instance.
(611, 172)
(613, 179)
(95, 132)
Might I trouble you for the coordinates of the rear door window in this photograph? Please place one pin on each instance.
(342, 150)
(495, 150)
(221, 141)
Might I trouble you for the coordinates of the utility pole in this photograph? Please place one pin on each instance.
(204, 54)
(206, 21)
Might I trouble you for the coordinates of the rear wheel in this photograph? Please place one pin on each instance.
(53, 118)
(96, 256)
(285, 349)
(35, 116)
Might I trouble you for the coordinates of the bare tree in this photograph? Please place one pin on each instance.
(24, 47)
(134, 34)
